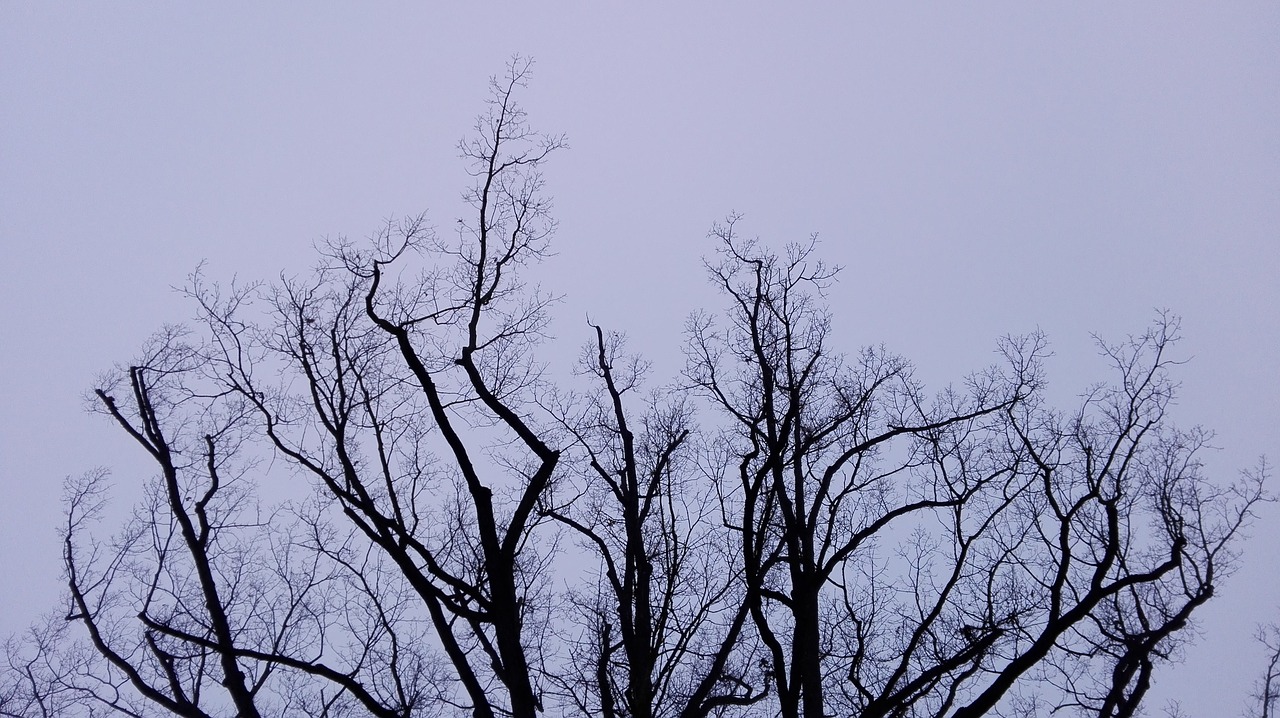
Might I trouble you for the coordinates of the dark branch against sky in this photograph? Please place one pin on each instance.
(975, 172)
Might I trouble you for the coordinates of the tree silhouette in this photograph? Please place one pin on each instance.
(786, 530)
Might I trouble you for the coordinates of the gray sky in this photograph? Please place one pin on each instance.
(977, 172)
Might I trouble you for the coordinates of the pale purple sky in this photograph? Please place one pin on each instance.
(978, 171)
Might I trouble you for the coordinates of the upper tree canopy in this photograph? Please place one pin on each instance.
(788, 528)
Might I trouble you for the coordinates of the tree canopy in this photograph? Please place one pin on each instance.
(786, 528)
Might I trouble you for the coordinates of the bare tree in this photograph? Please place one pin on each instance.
(389, 372)
(1267, 691)
(828, 539)
(907, 556)
(202, 605)
(807, 491)
(392, 372)
(664, 628)
(1126, 536)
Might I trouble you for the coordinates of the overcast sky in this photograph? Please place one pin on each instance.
(977, 172)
